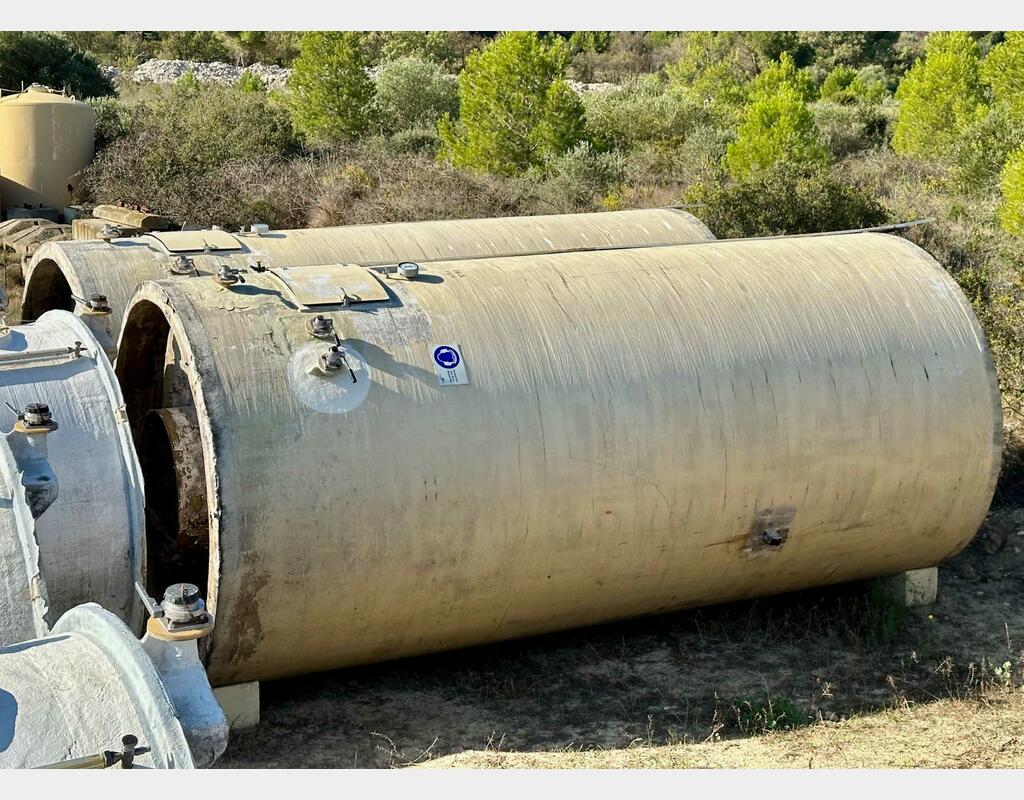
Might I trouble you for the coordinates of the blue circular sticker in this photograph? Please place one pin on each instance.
(446, 357)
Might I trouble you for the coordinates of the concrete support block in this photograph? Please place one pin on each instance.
(241, 704)
(917, 587)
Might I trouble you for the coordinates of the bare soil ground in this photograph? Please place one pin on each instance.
(859, 680)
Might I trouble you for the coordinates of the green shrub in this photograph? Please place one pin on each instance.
(778, 128)
(847, 85)
(639, 113)
(1003, 71)
(780, 74)
(416, 140)
(364, 184)
(114, 119)
(331, 92)
(251, 82)
(119, 48)
(1011, 214)
(177, 139)
(193, 46)
(774, 713)
(414, 93)
(37, 57)
(578, 179)
(622, 55)
(978, 154)
(713, 71)
(939, 97)
(783, 199)
(848, 129)
(831, 49)
(447, 48)
(515, 111)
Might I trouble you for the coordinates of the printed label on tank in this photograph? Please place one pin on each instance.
(449, 364)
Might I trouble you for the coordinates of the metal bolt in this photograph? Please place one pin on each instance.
(772, 537)
(37, 415)
(98, 302)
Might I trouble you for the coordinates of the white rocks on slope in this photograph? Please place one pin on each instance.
(165, 70)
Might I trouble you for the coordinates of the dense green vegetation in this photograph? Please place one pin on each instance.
(758, 133)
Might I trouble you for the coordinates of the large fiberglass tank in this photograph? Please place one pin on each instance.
(509, 446)
(46, 139)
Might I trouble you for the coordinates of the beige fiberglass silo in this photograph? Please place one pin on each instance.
(60, 270)
(46, 139)
(504, 447)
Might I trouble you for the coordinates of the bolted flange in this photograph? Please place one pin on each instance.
(321, 327)
(332, 359)
(228, 275)
(182, 265)
(36, 419)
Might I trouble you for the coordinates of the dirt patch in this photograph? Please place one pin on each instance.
(709, 675)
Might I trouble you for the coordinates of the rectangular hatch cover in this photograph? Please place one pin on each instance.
(330, 284)
(196, 241)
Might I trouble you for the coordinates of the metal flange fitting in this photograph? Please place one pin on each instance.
(182, 614)
(97, 304)
(228, 275)
(36, 419)
(320, 327)
(182, 265)
(109, 232)
(332, 359)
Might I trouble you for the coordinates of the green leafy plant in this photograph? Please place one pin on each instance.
(331, 92)
(939, 97)
(774, 713)
(778, 128)
(1011, 213)
(515, 109)
(46, 58)
(413, 92)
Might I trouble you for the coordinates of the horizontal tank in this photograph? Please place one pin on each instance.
(61, 271)
(68, 698)
(46, 139)
(506, 447)
(71, 498)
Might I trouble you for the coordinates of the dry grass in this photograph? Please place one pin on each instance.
(988, 732)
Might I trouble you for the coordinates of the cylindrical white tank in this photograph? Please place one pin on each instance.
(71, 527)
(505, 447)
(78, 691)
(46, 139)
(60, 270)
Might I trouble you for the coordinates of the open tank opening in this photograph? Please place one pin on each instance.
(166, 433)
(47, 289)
